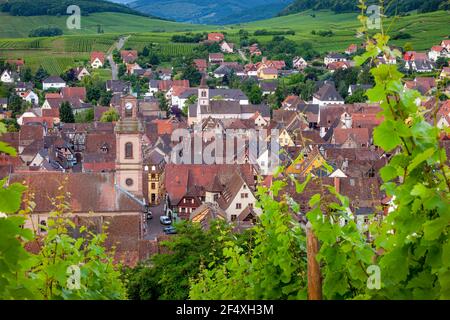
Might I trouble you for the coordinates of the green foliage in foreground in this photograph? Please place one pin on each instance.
(272, 266)
(166, 276)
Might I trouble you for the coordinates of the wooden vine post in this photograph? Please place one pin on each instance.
(314, 276)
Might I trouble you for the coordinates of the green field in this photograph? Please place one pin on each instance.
(19, 27)
(55, 54)
(59, 53)
(426, 29)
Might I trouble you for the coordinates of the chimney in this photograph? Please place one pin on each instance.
(337, 184)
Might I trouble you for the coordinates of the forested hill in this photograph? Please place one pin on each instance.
(59, 7)
(391, 6)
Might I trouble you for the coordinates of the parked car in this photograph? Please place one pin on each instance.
(170, 230)
(165, 220)
(149, 215)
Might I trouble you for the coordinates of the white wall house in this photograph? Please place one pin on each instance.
(7, 77)
(96, 64)
(334, 57)
(53, 82)
(227, 47)
(31, 97)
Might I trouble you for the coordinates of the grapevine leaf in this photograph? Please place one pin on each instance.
(10, 197)
(4, 147)
(421, 157)
(385, 136)
(388, 173)
(434, 228)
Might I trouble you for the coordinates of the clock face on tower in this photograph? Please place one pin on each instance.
(128, 109)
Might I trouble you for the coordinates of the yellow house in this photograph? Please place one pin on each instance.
(155, 183)
(267, 73)
(308, 160)
(285, 140)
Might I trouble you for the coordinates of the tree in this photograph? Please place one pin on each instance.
(270, 265)
(365, 77)
(145, 51)
(408, 47)
(190, 72)
(255, 95)
(41, 74)
(85, 116)
(189, 101)
(343, 78)
(110, 116)
(66, 113)
(26, 74)
(441, 62)
(154, 59)
(307, 90)
(166, 276)
(16, 105)
(359, 96)
(163, 103)
(121, 70)
(105, 98)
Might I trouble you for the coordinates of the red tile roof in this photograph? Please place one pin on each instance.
(216, 36)
(437, 48)
(89, 191)
(52, 96)
(180, 178)
(97, 55)
(74, 92)
(216, 56)
(129, 55)
(201, 64)
(359, 135)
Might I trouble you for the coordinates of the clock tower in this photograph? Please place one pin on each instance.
(129, 131)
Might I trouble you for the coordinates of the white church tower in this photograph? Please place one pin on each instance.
(203, 99)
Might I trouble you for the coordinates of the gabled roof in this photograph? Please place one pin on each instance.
(73, 92)
(118, 86)
(328, 92)
(97, 55)
(231, 190)
(180, 178)
(201, 63)
(336, 56)
(54, 79)
(207, 212)
(216, 56)
(268, 85)
(359, 135)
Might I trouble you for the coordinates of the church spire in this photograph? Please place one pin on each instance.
(203, 98)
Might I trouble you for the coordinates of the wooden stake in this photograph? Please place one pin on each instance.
(314, 276)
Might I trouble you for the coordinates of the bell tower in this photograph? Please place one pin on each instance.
(129, 131)
(203, 99)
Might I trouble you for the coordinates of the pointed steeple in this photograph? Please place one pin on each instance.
(203, 84)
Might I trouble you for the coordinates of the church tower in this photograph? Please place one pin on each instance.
(203, 99)
(129, 131)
